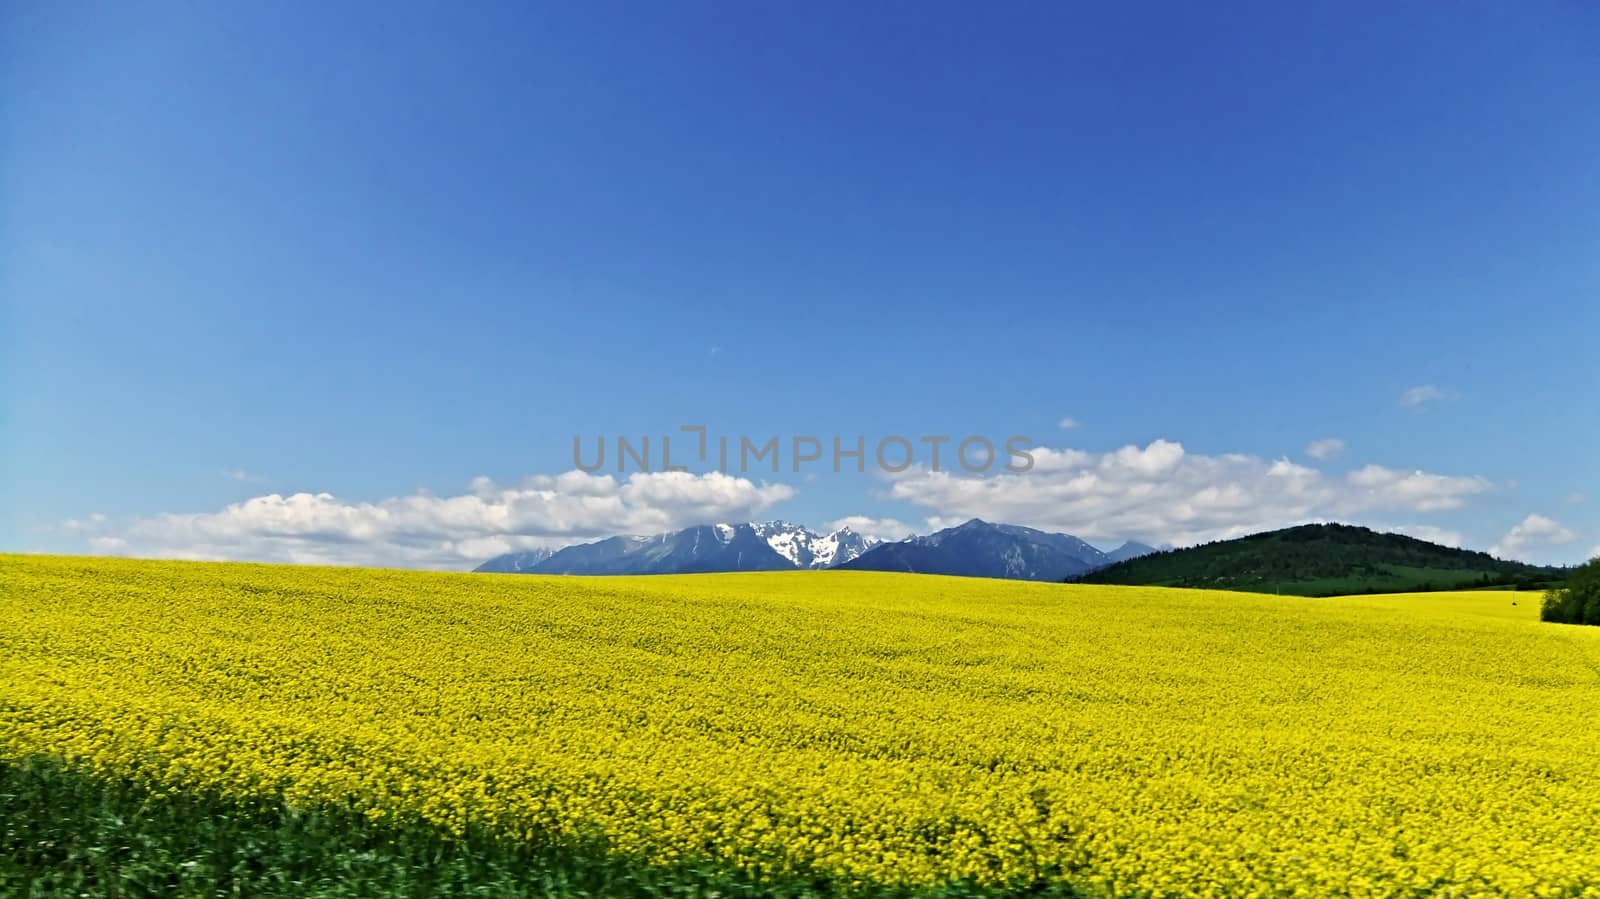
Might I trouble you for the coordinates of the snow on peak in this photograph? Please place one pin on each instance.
(790, 541)
(804, 548)
(840, 546)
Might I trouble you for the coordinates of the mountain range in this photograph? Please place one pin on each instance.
(982, 549)
(976, 549)
(769, 546)
(1313, 560)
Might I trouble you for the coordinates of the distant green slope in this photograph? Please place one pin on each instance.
(1324, 560)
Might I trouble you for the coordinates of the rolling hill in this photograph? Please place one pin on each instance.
(1322, 560)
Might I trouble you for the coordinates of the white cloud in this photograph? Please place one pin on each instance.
(423, 530)
(1420, 396)
(877, 528)
(1373, 486)
(1428, 532)
(1160, 493)
(239, 474)
(1529, 534)
(1067, 423)
(1576, 498)
(1324, 449)
(78, 527)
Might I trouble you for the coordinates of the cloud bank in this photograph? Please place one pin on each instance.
(423, 530)
(1160, 492)
(1157, 493)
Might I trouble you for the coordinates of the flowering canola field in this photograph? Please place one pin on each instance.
(875, 729)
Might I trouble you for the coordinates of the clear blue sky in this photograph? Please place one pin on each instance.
(376, 251)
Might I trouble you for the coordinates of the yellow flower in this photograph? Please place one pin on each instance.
(881, 728)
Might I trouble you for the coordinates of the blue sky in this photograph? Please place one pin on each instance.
(314, 284)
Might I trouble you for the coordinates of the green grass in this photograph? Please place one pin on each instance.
(66, 834)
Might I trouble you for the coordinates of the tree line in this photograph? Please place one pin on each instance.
(1578, 601)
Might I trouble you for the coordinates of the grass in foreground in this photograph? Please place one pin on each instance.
(839, 732)
(64, 833)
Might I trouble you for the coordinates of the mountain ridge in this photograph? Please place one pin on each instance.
(516, 562)
(766, 546)
(977, 548)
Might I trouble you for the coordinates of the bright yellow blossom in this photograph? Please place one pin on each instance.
(888, 728)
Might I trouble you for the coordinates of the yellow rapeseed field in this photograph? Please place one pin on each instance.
(878, 727)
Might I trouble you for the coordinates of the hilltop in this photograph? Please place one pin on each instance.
(1323, 560)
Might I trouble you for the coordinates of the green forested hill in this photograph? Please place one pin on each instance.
(1323, 560)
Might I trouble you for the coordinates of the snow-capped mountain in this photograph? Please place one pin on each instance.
(807, 549)
(977, 548)
(772, 546)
